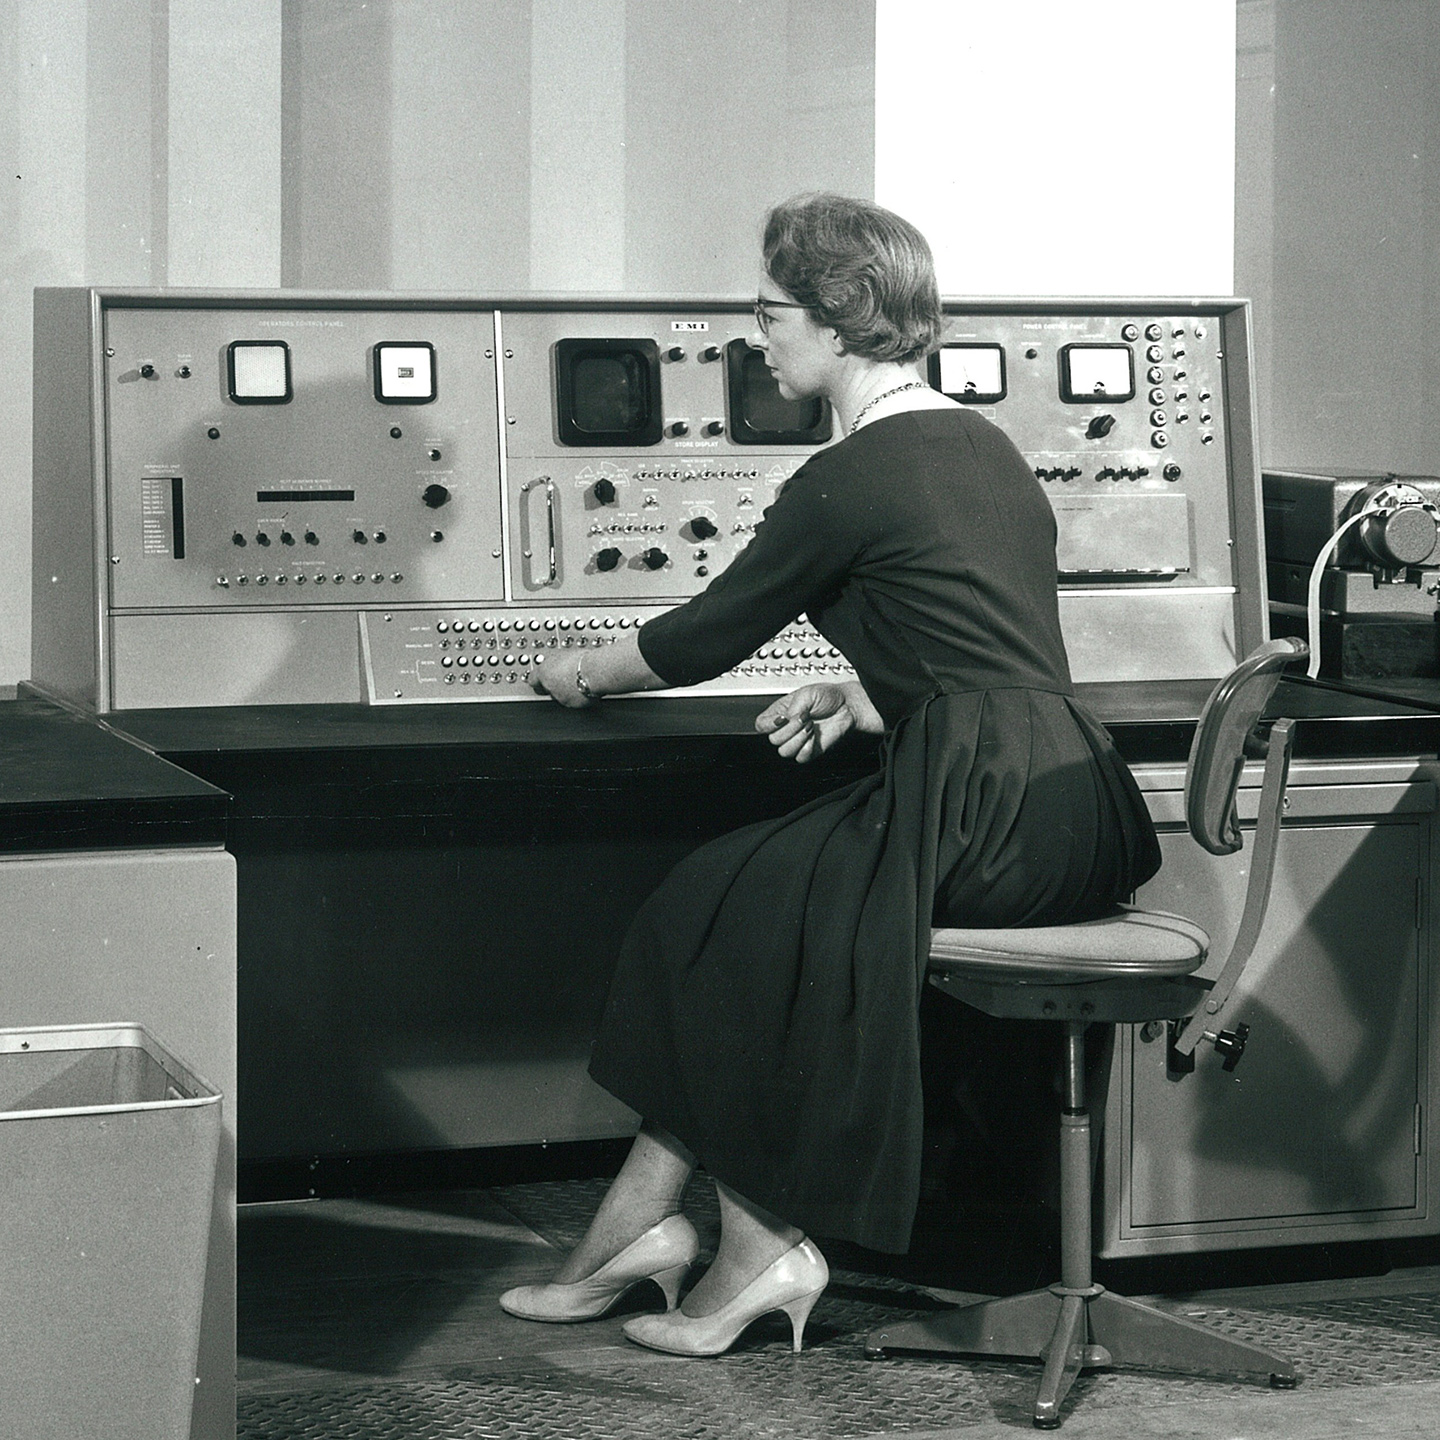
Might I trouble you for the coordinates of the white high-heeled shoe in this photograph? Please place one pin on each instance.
(792, 1283)
(664, 1254)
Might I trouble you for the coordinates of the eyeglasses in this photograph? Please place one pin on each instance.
(764, 306)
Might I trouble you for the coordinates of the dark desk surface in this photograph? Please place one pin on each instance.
(69, 782)
(1150, 720)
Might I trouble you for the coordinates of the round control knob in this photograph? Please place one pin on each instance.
(710, 353)
(604, 491)
(184, 372)
(1100, 426)
(148, 370)
(311, 538)
(261, 538)
(435, 496)
(704, 527)
(286, 538)
(675, 352)
(654, 558)
(238, 539)
(679, 427)
(1172, 471)
(359, 537)
(607, 559)
(713, 427)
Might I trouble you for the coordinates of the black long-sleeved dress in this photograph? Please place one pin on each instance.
(765, 1005)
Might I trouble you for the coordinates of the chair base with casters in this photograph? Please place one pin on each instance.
(1132, 966)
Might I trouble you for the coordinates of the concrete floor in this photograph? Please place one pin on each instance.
(378, 1319)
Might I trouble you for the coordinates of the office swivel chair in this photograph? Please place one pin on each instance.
(1131, 967)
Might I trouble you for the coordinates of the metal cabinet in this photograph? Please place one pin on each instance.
(1320, 1132)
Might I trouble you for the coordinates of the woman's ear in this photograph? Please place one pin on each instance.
(836, 343)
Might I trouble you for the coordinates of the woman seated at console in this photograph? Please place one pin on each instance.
(763, 1018)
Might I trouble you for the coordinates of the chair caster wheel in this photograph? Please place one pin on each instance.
(874, 1354)
(1046, 1424)
(1284, 1382)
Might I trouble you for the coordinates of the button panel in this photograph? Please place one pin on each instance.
(460, 654)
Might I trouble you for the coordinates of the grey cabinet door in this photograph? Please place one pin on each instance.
(1319, 1119)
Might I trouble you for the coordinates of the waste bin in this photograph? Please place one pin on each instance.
(108, 1146)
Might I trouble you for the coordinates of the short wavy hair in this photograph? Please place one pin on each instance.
(859, 269)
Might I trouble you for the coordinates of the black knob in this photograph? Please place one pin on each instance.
(311, 538)
(434, 454)
(148, 370)
(1100, 426)
(213, 432)
(1231, 1044)
(604, 491)
(607, 559)
(261, 538)
(675, 352)
(435, 496)
(183, 372)
(654, 558)
(710, 352)
(679, 427)
(237, 539)
(286, 538)
(714, 427)
(1172, 471)
(359, 537)
(703, 527)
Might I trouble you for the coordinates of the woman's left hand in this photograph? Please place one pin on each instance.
(557, 679)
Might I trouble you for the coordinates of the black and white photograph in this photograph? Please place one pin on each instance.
(719, 719)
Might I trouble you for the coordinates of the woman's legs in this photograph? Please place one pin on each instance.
(646, 1191)
(750, 1240)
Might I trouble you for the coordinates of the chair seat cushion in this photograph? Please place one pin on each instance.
(1129, 944)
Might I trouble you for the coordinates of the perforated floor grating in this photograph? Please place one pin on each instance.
(588, 1382)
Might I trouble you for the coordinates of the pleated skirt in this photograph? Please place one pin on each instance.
(764, 1009)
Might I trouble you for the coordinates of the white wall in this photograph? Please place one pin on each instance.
(1338, 187)
(1050, 148)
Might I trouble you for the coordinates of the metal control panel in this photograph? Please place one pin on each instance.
(287, 498)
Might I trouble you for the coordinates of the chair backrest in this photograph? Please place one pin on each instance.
(1225, 737)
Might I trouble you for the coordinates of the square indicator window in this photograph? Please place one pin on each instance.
(1096, 372)
(972, 374)
(404, 372)
(607, 392)
(259, 372)
(759, 413)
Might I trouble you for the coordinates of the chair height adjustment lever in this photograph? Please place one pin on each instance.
(1229, 1045)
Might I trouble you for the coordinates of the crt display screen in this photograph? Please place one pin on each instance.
(760, 414)
(608, 392)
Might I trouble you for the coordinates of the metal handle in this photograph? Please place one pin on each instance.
(549, 485)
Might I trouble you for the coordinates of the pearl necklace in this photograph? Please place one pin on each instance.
(884, 395)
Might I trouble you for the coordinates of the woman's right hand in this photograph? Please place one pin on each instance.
(808, 721)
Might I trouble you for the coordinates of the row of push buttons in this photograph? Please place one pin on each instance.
(563, 622)
(224, 581)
